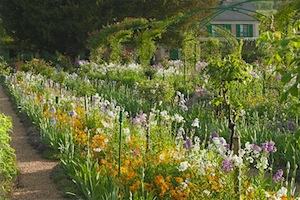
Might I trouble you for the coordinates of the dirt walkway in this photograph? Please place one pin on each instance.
(35, 182)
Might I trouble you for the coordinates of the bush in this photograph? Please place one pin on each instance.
(8, 169)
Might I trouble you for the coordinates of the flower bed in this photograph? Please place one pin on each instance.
(146, 156)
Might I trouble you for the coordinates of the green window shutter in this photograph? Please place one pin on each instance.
(173, 55)
(228, 27)
(238, 34)
(209, 29)
(250, 29)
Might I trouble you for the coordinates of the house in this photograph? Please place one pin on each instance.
(236, 17)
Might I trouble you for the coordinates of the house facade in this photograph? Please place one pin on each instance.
(237, 18)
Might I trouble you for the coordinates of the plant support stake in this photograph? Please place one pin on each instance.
(120, 143)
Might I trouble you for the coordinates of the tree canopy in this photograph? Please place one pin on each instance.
(63, 25)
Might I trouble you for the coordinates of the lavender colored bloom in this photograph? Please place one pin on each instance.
(135, 152)
(278, 176)
(134, 121)
(73, 113)
(188, 144)
(81, 62)
(227, 147)
(256, 147)
(227, 165)
(278, 77)
(52, 109)
(105, 108)
(269, 147)
(159, 66)
(43, 101)
(213, 135)
(200, 65)
(142, 117)
(53, 120)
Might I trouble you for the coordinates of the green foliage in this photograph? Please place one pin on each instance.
(3, 67)
(115, 44)
(83, 88)
(156, 91)
(4, 38)
(211, 49)
(38, 66)
(230, 69)
(189, 49)
(112, 36)
(284, 53)
(50, 25)
(145, 39)
(92, 183)
(8, 167)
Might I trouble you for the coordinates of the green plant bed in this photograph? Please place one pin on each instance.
(63, 182)
(8, 168)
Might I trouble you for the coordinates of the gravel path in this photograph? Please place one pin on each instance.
(34, 182)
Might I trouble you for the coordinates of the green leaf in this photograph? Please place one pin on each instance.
(269, 60)
(284, 97)
(286, 77)
(294, 91)
(278, 57)
(285, 42)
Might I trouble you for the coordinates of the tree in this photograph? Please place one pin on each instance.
(49, 25)
(63, 25)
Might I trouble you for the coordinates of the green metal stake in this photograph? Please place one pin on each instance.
(56, 99)
(120, 143)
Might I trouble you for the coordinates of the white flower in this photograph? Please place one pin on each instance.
(180, 134)
(196, 139)
(162, 156)
(207, 192)
(97, 149)
(250, 159)
(241, 152)
(184, 185)
(164, 114)
(178, 118)
(282, 192)
(183, 166)
(243, 112)
(263, 163)
(237, 161)
(195, 123)
(248, 146)
(126, 131)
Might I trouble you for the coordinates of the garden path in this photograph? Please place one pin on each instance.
(34, 181)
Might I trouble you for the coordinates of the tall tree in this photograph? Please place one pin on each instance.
(63, 25)
(50, 25)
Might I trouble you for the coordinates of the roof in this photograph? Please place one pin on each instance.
(239, 12)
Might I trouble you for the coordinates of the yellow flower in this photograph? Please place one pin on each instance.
(179, 180)
(135, 186)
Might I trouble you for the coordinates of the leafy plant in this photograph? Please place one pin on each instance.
(8, 167)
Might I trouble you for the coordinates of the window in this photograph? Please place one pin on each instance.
(244, 30)
(214, 29)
